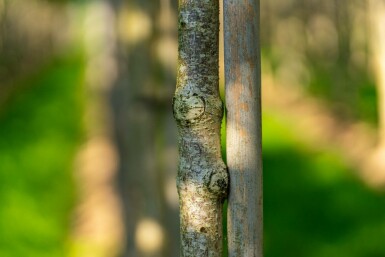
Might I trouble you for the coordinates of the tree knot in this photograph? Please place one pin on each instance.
(188, 108)
(219, 181)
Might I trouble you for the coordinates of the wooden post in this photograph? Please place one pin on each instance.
(244, 155)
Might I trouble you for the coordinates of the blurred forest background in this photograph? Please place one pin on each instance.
(88, 151)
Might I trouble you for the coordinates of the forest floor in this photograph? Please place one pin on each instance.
(357, 141)
(323, 185)
(40, 131)
(322, 195)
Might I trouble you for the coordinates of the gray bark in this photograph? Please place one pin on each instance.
(244, 157)
(202, 177)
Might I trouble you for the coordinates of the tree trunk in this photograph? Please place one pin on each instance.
(139, 106)
(202, 177)
(98, 227)
(377, 11)
(244, 157)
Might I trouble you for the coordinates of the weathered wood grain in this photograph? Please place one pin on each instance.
(244, 157)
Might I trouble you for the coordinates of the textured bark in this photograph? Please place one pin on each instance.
(244, 158)
(202, 177)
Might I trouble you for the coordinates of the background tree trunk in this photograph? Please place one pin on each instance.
(202, 177)
(143, 130)
(377, 11)
(244, 156)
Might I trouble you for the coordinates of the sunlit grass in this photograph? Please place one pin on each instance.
(314, 205)
(40, 128)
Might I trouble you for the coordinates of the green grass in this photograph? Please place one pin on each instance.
(40, 129)
(350, 93)
(313, 204)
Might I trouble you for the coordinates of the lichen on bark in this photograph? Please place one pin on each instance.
(202, 177)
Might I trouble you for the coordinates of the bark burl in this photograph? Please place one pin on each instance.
(202, 177)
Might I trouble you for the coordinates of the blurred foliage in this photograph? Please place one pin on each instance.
(314, 206)
(40, 129)
(357, 101)
(323, 47)
(26, 42)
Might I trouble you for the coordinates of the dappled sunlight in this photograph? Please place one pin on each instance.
(98, 222)
(97, 163)
(378, 39)
(100, 45)
(88, 156)
(134, 25)
(166, 47)
(328, 203)
(98, 228)
(319, 126)
(374, 168)
(166, 50)
(149, 236)
(171, 192)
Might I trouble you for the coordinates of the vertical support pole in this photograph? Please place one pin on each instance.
(243, 102)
